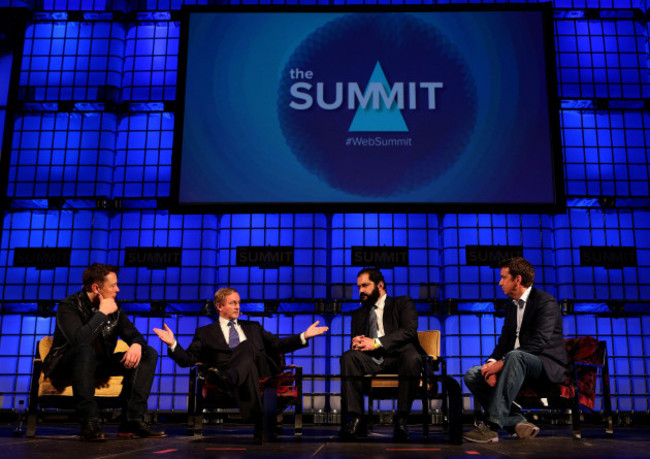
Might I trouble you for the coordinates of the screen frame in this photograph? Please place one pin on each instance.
(548, 40)
(20, 16)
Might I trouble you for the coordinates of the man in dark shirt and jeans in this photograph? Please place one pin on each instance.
(88, 324)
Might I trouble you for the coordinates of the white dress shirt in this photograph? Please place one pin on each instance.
(520, 312)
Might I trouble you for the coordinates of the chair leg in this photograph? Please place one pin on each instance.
(453, 395)
(575, 417)
(32, 407)
(425, 414)
(369, 421)
(270, 412)
(607, 400)
(194, 404)
(297, 430)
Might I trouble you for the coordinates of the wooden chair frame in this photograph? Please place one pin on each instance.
(435, 384)
(46, 393)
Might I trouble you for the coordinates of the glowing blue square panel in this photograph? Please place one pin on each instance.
(73, 61)
(151, 61)
(86, 237)
(586, 227)
(143, 155)
(305, 279)
(62, 154)
(195, 235)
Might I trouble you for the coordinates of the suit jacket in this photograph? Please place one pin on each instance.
(400, 326)
(541, 334)
(210, 348)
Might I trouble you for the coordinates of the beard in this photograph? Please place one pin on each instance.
(369, 300)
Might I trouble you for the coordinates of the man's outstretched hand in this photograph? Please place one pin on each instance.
(166, 335)
(313, 330)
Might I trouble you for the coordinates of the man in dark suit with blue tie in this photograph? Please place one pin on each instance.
(384, 338)
(530, 349)
(239, 352)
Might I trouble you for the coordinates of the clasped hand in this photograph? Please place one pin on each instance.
(363, 343)
(490, 371)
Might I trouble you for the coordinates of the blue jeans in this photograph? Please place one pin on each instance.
(497, 401)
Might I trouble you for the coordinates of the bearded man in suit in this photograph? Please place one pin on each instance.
(238, 352)
(384, 339)
(530, 349)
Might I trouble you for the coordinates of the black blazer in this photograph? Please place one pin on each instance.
(78, 321)
(541, 334)
(209, 347)
(400, 326)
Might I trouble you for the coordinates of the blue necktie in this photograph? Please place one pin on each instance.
(373, 331)
(233, 337)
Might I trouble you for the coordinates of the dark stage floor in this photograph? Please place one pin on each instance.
(320, 441)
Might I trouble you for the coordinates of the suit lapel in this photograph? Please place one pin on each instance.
(531, 305)
(217, 334)
(389, 308)
(246, 328)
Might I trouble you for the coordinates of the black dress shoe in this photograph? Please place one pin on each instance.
(353, 429)
(400, 431)
(91, 430)
(139, 429)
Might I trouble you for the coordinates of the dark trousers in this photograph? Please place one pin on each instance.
(244, 369)
(82, 365)
(356, 364)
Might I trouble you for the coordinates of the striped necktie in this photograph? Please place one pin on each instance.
(233, 337)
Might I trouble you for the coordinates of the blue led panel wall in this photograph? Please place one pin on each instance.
(19, 335)
(74, 5)
(605, 153)
(73, 61)
(62, 154)
(602, 58)
(150, 61)
(596, 227)
(143, 155)
(61, 149)
(85, 232)
(416, 232)
(533, 232)
(307, 233)
(196, 235)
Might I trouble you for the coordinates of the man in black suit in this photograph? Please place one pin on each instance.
(384, 338)
(530, 348)
(238, 352)
(88, 324)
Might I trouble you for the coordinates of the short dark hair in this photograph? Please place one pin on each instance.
(373, 274)
(95, 274)
(519, 266)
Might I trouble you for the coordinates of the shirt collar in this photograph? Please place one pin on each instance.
(381, 302)
(525, 296)
(224, 322)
